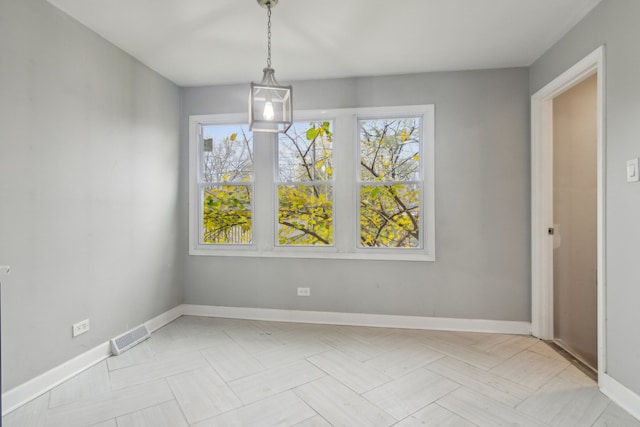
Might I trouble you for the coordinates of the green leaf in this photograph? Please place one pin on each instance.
(312, 133)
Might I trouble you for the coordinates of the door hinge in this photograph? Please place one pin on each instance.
(550, 231)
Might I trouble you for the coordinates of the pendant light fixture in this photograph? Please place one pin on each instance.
(270, 104)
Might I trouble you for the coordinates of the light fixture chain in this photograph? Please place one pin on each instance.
(269, 35)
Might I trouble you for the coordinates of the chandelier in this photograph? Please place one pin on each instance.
(270, 104)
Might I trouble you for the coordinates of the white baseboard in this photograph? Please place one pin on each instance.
(18, 396)
(358, 319)
(621, 395)
(164, 318)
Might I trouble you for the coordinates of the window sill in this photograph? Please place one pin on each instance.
(306, 254)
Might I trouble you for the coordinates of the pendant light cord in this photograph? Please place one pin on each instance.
(269, 35)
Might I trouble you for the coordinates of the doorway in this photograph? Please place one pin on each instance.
(567, 176)
(575, 192)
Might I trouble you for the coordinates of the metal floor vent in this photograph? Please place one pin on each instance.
(124, 342)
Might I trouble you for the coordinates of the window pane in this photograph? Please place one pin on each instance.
(305, 152)
(227, 153)
(227, 214)
(305, 215)
(390, 149)
(390, 216)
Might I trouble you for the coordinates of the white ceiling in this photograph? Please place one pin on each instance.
(203, 42)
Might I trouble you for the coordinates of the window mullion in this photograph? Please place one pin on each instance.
(263, 207)
(345, 207)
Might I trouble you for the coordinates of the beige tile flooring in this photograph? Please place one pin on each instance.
(221, 372)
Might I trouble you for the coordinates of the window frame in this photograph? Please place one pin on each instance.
(196, 201)
(346, 184)
(277, 183)
(359, 182)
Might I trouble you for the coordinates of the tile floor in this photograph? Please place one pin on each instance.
(221, 372)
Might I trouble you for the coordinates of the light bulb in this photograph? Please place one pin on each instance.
(268, 113)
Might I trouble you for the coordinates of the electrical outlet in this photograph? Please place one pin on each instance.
(5, 269)
(304, 292)
(80, 328)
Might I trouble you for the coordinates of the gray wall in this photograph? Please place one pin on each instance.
(482, 207)
(89, 148)
(615, 23)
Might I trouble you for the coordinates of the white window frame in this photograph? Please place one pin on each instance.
(421, 183)
(276, 182)
(346, 177)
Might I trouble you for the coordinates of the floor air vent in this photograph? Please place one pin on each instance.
(127, 340)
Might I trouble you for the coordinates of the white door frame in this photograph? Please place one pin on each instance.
(542, 199)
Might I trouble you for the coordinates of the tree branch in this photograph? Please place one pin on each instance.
(304, 230)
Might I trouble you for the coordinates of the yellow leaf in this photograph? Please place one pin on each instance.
(233, 136)
(404, 136)
(416, 157)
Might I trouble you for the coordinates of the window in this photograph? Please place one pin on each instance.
(389, 184)
(225, 185)
(348, 183)
(305, 184)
